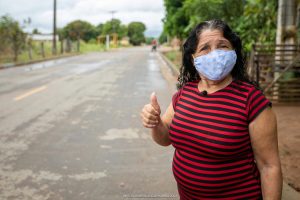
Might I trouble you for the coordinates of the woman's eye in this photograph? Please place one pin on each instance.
(203, 48)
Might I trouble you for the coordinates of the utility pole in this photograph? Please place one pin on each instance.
(54, 29)
(114, 34)
(112, 17)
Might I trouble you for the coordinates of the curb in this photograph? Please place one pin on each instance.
(52, 58)
(174, 69)
(36, 61)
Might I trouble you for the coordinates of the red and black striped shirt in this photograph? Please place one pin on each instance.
(213, 158)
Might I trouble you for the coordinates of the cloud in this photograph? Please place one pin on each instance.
(149, 12)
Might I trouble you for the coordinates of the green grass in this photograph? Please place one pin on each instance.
(91, 47)
(23, 57)
(37, 55)
(175, 57)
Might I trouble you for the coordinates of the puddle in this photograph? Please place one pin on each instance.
(45, 64)
(86, 67)
(153, 66)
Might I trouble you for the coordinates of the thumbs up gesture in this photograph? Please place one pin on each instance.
(151, 113)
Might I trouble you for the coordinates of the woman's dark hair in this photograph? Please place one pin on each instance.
(189, 73)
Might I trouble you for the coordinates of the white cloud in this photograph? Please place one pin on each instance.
(149, 12)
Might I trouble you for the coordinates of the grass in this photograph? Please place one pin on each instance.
(91, 47)
(175, 57)
(23, 57)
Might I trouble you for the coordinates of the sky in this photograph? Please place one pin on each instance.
(150, 12)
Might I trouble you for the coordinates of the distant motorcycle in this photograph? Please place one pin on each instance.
(154, 45)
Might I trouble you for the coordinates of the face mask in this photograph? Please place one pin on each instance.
(216, 65)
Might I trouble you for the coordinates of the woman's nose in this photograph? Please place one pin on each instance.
(213, 48)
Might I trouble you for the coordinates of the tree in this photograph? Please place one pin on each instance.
(148, 40)
(79, 30)
(254, 20)
(163, 37)
(36, 31)
(99, 29)
(12, 36)
(198, 11)
(175, 21)
(61, 33)
(114, 26)
(258, 22)
(136, 33)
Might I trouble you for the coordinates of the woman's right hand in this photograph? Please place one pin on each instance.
(151, 113)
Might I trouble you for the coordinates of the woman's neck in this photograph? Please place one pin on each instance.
(212, 86)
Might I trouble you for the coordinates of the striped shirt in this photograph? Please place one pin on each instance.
(213, 157)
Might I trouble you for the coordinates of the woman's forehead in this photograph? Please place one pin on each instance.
(211, 36)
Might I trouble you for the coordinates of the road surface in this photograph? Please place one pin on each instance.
(70, 129)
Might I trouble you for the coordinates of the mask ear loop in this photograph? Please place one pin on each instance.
(194, 64)
(193, 56)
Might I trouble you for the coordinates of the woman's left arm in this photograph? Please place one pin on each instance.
(263, 134)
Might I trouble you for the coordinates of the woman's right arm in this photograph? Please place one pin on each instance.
(159, 125)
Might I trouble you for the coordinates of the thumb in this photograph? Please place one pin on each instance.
(154, 102)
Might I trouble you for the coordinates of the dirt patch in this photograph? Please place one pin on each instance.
(288, 118)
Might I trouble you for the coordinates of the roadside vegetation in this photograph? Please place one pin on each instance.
(18, 46)
(253, 20)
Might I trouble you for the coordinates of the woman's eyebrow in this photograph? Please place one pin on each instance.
(223, 41)
(202, 44)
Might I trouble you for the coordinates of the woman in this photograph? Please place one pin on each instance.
(221, 126)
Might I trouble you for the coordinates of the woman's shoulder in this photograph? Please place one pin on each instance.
(190, 84)
(244, 86)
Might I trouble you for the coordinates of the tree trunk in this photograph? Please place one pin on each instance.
(16, 51)
(30, 52)
(78, 44)
(62, 47)
(42, 49)
(29, 45)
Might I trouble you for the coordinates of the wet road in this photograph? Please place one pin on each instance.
(70, 129)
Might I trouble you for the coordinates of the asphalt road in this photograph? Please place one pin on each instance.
(70, 129)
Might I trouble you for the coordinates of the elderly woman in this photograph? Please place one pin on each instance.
(222, 127)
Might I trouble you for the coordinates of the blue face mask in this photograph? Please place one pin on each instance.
(216, 65)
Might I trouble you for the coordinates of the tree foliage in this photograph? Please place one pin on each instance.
(136, 33)
(114, 26)
(254, 20)
(36, 31)
(79, 29)
(12, 36)
(258, 22)
(176, 20)
(84, 30)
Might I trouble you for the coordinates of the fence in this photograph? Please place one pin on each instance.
(36, 50)
(276, 68)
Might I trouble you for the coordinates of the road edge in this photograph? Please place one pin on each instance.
(169, 63)
(37, 61)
